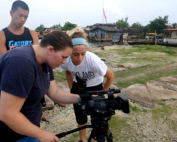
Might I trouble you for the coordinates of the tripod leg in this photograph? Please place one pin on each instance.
(109, 136)
(96, 136)
(91, 136)
(89, 140)
(100, 138)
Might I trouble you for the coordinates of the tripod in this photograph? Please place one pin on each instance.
(99, 132)
(100, 129)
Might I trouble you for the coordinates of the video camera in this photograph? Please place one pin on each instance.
(100, 105)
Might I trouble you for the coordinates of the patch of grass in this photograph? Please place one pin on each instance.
(74, 137)
(147, 77)
(60, 76)
(100, 54)
(147, 48)
(162, 112)
(160, 102)
(136, 109)
(145, 59)
(134, 71)
(173, 124)
(122, 131)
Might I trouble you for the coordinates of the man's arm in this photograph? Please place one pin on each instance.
(35, 37)
(3, 48)
(61, 96)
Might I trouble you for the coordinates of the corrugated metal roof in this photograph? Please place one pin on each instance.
(132, 31)
(106, 28)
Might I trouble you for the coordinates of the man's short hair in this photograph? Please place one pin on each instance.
(21, 4)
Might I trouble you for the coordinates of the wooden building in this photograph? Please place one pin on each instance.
(101, 32)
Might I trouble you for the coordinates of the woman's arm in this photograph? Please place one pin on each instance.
(69, 78)
(10, 106)
(110, 76)
(60, 96)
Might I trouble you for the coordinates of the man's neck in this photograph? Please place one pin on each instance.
(15, 30)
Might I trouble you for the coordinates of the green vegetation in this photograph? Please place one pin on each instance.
(136, 25)
(136, 109)
(74, 137)
(147, 48)
(144, 78)
(149, 58)
(121, 23)
(40, 28)
(157, 24)
(163, 112)
(60, 76)
(68, 26)
(123, 130)
(160, 102)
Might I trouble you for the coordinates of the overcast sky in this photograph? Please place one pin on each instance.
(89, 12)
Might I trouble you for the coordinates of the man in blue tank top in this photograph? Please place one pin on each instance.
(16, 34)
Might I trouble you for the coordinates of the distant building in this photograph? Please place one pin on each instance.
(132, 32)
(170, 35)
(101, 32)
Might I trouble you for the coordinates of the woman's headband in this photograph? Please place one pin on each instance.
(77, 41)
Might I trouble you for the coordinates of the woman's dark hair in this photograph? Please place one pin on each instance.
(58, 39)
(21, 4)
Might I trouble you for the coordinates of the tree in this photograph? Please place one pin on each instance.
(146, 29)
(40, 28)
(174, 25)
(68, 26)
(136, 25)
(122, 23)
(56, 26)
(158, 24)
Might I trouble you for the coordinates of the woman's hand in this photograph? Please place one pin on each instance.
(47, 136)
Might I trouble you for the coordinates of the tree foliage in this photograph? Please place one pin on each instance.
(68, 26)
(174, 25)
(122, 23)
(136, 25)
(40, 28)
(58, 26)
(158, 24)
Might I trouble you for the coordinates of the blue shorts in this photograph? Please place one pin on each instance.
(28, 139)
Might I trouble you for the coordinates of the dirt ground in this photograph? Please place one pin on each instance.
(144, 125)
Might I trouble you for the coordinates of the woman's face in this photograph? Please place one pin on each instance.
(78, 54)
(59, 57)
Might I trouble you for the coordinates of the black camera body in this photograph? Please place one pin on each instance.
(101, 105)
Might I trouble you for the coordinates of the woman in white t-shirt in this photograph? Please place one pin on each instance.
(87, 66)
